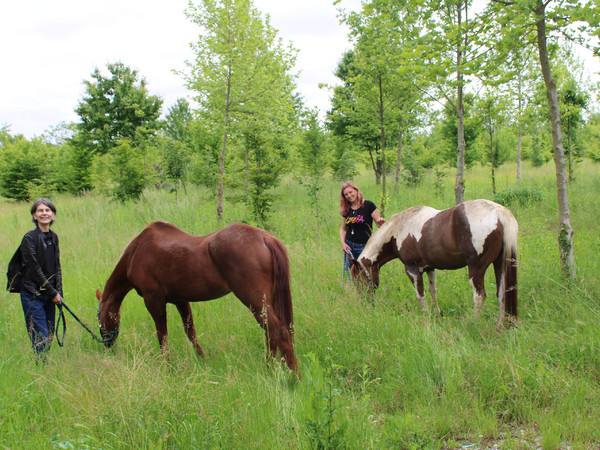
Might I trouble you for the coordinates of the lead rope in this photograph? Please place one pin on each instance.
(61, 314)
(346, 269)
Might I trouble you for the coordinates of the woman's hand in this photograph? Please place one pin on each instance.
(57, 300)
(377, 218)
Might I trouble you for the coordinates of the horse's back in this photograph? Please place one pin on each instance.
(240, 245)
(166, 261)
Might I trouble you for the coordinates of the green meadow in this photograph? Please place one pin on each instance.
(381, 375)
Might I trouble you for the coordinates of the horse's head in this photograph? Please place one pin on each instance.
(108, 322)
(365, 274)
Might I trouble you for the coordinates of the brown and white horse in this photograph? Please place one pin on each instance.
(167, 265)
(475, 233)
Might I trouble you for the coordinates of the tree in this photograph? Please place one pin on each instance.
(314, 159)
(240, 70)
(383, 91)
(114, 108)
(445, 53)
(491, 109)
(550, 20)
(22, 168)
(178, 121)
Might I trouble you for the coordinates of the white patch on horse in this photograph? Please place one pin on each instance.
(400, 226)
(482, 216)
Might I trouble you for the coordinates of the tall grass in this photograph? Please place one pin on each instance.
(374, 376)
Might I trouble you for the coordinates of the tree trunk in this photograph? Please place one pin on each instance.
(223, 152)
(382, 134)
(520, 125)
(565, 235)
(492, 161)
(398, 160)
(459, 185)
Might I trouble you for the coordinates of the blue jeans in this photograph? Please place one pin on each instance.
(40, 314)
(356, 250)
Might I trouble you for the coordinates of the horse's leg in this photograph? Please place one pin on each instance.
(277, 336)
(416, 276)
(433, 290)
(500, 291)
(158, 310)
(185, 311)
(476, 278)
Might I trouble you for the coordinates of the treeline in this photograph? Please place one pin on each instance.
(426, 85)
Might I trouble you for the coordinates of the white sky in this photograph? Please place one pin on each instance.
(49, 47)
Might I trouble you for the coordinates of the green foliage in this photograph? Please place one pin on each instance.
(522, 196)
(313, 154)
(79, 168)
(176, 161)
(241, 75)
(448, 132)
(343, 160)
(178, 121)
(413, 171)
(23, 168)
(590, 138)
(120, 172)
(265, 170)
(321, 405)
(204, 158)
(114, 108)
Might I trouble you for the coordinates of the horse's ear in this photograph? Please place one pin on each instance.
(98, 294)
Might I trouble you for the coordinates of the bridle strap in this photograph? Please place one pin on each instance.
(112, 335)
(360, 263)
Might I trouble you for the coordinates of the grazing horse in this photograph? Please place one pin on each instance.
(475, 233)
(167, 265)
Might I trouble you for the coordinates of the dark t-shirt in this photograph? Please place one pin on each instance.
(359, 223)
(49, 262)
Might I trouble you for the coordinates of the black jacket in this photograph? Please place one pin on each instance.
(33, 248)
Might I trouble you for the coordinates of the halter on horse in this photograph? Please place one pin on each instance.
(475, 234)
(166, 265)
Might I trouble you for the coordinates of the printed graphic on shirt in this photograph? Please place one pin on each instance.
(358, 219)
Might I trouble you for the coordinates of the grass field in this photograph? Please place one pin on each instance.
(382, 376)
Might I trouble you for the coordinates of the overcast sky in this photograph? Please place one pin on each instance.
(49, 47)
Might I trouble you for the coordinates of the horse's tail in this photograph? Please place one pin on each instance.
(281, 282)
(509, 263)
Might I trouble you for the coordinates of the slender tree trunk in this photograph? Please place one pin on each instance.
(459, 185)
(565, 235)
(382, 135)
(398, 160)
(520, 126)
(247, 172)
(492, 161)
(570, 154)
(223, 152)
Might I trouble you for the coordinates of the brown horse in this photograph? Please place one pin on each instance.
(167, 265)
(475, 234)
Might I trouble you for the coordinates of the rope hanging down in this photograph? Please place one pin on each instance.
(61, 315)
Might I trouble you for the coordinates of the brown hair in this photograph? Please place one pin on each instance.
(46, 202)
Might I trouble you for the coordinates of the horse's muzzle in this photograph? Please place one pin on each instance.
(108, 337)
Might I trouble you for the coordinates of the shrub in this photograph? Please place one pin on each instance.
(521, 196)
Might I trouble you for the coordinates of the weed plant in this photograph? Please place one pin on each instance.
(382, 375)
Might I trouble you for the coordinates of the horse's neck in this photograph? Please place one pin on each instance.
(377, 251)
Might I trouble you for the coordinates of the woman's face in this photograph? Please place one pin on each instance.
(43, 215)
(350, 194)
